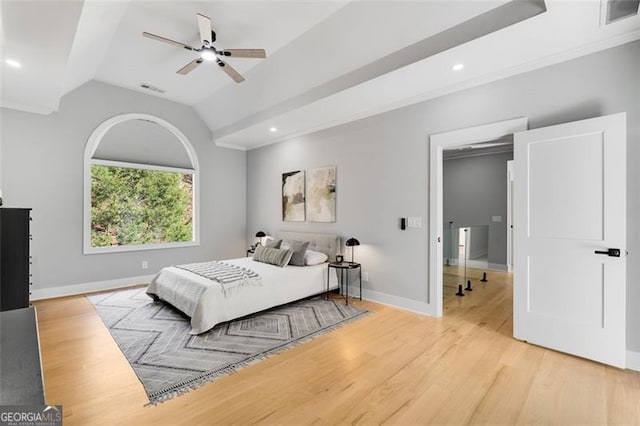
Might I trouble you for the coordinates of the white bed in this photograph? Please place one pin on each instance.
(277, 285)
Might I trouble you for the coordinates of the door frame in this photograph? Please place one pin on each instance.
(510, 216)
(437, 143)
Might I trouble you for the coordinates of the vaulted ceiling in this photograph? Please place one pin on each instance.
(328, 62)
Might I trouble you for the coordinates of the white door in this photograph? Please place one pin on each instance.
(570, 202)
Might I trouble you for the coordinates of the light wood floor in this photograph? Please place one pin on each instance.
(391, 367)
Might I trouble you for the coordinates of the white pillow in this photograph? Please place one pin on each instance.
(314, 257)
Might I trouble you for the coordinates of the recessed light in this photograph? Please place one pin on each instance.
(13, 63)
(273, 129)
(457, 67)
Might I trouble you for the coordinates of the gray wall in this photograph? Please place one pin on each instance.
(383, 163)
(42, 168)
(475, 189)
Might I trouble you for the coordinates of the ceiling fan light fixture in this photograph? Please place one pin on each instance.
(207, 52)
(458, 67)
(208, 55)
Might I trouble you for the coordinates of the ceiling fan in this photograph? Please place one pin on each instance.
(208, 52)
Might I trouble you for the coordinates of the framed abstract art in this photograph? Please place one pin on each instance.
(293, 196)
(321, 194)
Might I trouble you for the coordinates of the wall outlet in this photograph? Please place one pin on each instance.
(414, 222)
(365, 276)
(145, 264)
(496, 218)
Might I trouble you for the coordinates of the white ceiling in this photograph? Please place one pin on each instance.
(39, 36)
(328, 62)
(132, 59)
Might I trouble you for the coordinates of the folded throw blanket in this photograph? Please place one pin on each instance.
(229, 276)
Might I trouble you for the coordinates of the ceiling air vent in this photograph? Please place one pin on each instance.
(616, 10)
(152, 88)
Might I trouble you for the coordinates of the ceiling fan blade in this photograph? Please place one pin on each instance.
(190, 66)
(231, 72)
(167, 40)
(204, 24)
(245, 53)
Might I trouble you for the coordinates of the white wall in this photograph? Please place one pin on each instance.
(382, 162)
(42, 168)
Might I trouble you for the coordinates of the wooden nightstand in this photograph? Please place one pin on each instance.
(345, 267)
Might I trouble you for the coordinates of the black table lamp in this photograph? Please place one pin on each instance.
(352, 242)
(260, 235)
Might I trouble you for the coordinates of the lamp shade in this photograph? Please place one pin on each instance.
(352, 242)
(260, 234)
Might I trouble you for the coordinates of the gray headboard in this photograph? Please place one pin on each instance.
(325, 243)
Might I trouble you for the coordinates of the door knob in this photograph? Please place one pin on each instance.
(612, 252)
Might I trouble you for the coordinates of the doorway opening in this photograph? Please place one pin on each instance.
(569, 235)
(447, 144)
(475, 211)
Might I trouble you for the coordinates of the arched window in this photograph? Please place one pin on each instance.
(140, 186)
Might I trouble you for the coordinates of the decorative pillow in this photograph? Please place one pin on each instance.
(298, 248)
(273, 244)
(314, 257)
(272, 256)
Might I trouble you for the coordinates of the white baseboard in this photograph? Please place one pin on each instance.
(75, 289)
(633, 360)
(410, 305)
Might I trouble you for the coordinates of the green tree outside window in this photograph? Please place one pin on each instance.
(139, 206)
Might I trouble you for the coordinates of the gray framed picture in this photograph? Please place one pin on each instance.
(321, 194)
(293, 196)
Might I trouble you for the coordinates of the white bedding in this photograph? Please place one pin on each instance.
(279, 286)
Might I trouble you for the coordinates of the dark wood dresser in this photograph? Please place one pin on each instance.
(20, 369)
(15, 259)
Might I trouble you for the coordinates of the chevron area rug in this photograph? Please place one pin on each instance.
(155, 339)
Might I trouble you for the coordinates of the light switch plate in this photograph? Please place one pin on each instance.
(414, 222)
(496, 218)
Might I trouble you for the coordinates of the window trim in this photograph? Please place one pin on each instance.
(129, 165)
(90, 149)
